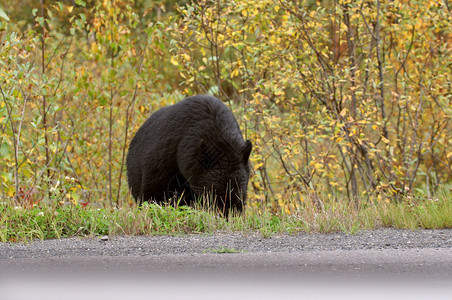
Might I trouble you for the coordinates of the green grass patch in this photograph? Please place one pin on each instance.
(49, 222)
(428, 214)
(222, 250)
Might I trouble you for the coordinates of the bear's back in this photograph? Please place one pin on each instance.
(212, 116)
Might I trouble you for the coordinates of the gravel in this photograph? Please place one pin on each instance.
(236, 242)
(376, 264)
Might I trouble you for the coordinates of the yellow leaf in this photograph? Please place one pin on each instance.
(93, 47)
(186, 56)
(174, 62)
(258, 165)
(318, 166)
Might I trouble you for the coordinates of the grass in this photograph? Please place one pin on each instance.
(49, 222)
(222, 250)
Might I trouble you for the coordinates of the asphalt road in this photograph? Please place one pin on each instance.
(386, 263)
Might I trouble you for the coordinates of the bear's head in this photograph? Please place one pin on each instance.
(221, 173)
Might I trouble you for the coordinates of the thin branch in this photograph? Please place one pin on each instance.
(126, 129)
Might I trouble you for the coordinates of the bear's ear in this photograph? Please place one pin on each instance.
(247, 151)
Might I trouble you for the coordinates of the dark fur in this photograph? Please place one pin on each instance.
(192, 147)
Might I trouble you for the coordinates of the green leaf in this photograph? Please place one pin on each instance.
(40, 20)
(3, 15)
(4, 150)
(80, 2)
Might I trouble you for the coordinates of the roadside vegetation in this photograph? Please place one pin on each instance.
(348, 105)
(18, 223)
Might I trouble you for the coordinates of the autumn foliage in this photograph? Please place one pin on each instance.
(343, 100)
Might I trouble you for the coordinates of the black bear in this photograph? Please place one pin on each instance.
(187, 150)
